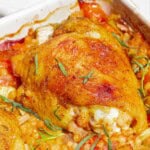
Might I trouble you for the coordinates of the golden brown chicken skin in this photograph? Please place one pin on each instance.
(82, 65)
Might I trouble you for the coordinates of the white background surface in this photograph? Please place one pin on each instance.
(9, 6)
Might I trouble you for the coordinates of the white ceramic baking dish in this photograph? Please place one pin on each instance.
(36, 16)
(58, 10)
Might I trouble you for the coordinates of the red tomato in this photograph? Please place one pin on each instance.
(8, 44)
(93, 11)
(6, 53)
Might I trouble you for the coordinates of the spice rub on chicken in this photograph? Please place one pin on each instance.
(82, 76)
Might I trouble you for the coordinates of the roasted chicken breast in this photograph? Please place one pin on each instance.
(81, 75)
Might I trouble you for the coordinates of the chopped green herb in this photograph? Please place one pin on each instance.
(18, 105)
(144, 72)
(87, 77)
(51, 126)
(36, 64)
(121, 42)
(135, 70)
(142, 57)
(140, 66)
(62, 68)
(141, 92)
(144, 69)
(56, 115)
(109, 141)
(83, 141)
(45, 136)
(95, 143)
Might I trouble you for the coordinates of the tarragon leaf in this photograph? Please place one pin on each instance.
(45, 136)
(95, 143)
(121, 42)
(87, 77)
(62, 68)
(51, 126)
(56, 115)
(20, 106)
(83, 141)
(109, 140)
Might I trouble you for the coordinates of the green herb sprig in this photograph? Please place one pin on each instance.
(84, 140)
(140, 66)
(45, 136)
(56, 115)
(51, 126)
(144, 72)
(36, 62)
(95, 143)
(87, 77)
(18, 105)
(121, 42)
(109, 140)
(62, 68)
(144, 68)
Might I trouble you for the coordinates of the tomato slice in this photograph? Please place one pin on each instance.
(6, 53)
(93, 11)
(8, 44)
